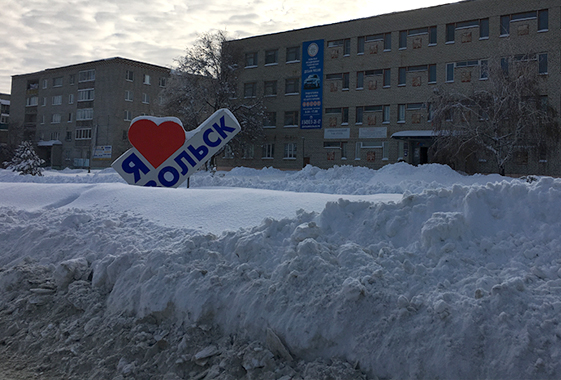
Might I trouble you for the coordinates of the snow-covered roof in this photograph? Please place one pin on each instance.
(49, 143)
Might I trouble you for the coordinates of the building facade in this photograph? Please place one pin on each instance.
(358, 92)
(4, 117)
(79, 115)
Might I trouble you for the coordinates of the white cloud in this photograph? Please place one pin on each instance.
(40, 34)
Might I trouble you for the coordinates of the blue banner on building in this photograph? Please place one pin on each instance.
(312, 85)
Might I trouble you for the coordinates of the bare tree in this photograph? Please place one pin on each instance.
(205, 80)
(498, 118)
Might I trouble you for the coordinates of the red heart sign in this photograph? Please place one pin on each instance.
(156, 142)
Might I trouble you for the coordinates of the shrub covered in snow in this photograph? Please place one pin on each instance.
(25, 160)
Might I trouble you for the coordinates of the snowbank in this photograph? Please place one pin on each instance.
(456, 281)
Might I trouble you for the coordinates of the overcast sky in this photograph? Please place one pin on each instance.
(40, 34)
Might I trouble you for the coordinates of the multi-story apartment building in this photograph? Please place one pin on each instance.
(4, 117)
(358, 92)
(79, 115)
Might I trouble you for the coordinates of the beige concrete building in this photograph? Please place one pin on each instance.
(374, 78)
(79, 115)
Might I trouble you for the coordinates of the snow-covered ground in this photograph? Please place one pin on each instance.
(347, 273)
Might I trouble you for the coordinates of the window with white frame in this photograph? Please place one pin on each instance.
(145, 98)
(83, 134)
(57, 82)
(71, 79)
(86, 95)
(70, 98)
(31, 101)
(55, 118)
(401, 113)
(163, 81)
(84, 114)
(128, 95)
(57, 100)
(70, 117)
(55, 135)
(385, 114)
(86, 75)
(129, 75)
(248, 151)
(44, 102)
(146, 79)
(289, 151)
(128, 115)
(268, 151)
(45, 83)
(449, 72)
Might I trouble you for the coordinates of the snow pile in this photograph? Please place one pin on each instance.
(456, 281)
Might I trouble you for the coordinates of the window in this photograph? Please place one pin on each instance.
(248, 151)
(346, 81)
(432, 73)
(484, 28)
(402, 76)
(129, 75)
(450, 33)
(449, 72)
(345, 115)
(145, 98)
(290, 151)
(543, 21)
(504, 65)
(347, 47)
(505, 25)
(387, 42)
(57, 100)
(45, 83)
(70, 98)
(228, 152)
(401, 113)
(55, 118)
(71, 79)
(83, 134)
(44, 102)
(128, 116)
(542, 63)
(84, 114)
(484, 70)
(270, 120)
(293, 54)
(31, 101)
(430, 112)
(360, 80)
(146, 79)
(251, 59)
(386, 114)
(55, 135)
(359, 115)
(68, 136)
(250, 90)
(268, 151)
(86, 95)
(70, 117)
(403, 39)
(291, 119)
(57, 82)
(271, 57)
(128, 95)
(360, 45)
(162, 81)
(291, 86)
(387, 77)
(432, 35)
(271, 88)
(86, 75)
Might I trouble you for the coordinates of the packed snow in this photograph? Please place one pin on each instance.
(348, 273)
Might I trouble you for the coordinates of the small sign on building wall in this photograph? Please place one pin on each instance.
(102, 152)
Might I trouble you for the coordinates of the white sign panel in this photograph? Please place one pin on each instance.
(337, 133)
(373, 133)
(102, 152)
